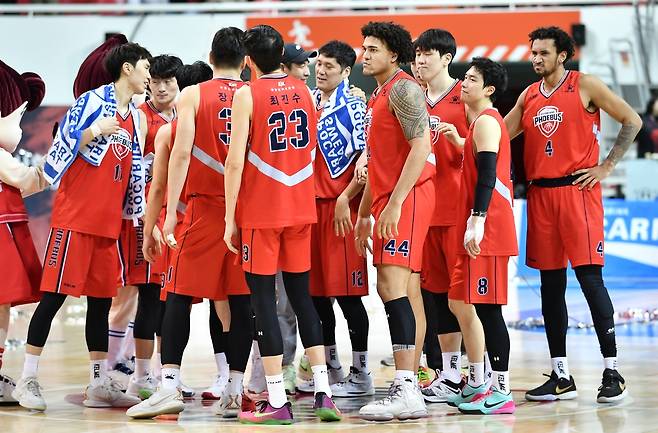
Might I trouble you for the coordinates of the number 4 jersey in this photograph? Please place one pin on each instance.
(277, 183)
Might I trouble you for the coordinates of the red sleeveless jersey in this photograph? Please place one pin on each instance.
(277, 184)
(499, 230)
(211, 139)
(325, 186)
(447, 108)
(154, 119)
(90, 199)
(560, 135)
(12, 208)
(387, 146)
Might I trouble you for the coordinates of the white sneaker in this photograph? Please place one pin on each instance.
(336, 375)
(28, 394)
(188, 392)
(289, 378)
(308, 386)
(108, 394)
(404, 401)
(214, 391)
(7, 387)
(142, 388)
(356, 384)
(163, 401)
(440, 390)
(229, 405)
(121, 376)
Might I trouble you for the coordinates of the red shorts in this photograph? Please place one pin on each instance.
(264, 251)
(133, 268)
(406, 249)
(202, 266)
(439, 257)
(336, 267)
(80, 264)
(564, 223)
(21, 266)
(480, 281)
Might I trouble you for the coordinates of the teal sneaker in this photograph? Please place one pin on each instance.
(468, 395)
(493, 403)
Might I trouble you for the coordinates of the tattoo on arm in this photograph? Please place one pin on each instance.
(624, 140)
(408, 103)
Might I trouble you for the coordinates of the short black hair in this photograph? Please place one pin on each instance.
(342, 52)
(493, 74)
(129, 52)
(396, 38)
(437, 39)
(264, 45)
(562, 40)
(227, 49)
(197, 72)
(164, 66)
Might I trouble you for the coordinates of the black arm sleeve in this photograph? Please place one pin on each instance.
(486, 180)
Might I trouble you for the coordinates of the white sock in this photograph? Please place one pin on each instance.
(97, 372)
(331, 355)
(501, 381)
(30, 366)
(487, 367)
(222, 365)
(276, 391)
(114, 345)
(170, 378)
(321, 379)
(360, 361)
(235, 382)
(3, 337)
(142, 368)
(405, 376)
(610, 363)
(560, 366)
(128, 349)
(157, 367)
(476, 374)
(452, 362)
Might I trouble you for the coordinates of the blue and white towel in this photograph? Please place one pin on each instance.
(341, 134)
(88, 108)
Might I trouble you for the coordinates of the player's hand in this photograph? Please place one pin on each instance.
(361, 174)
(168, 230)
(108, 125)
(342, 216)
(473, 235)
(231, 233)
(149, 248)
(589, 177)
(387, 223)
(450, 132)
(357, 92)
(159, 239)
(362, 234)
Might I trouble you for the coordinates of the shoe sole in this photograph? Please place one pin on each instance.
(229, 413)
(171, 410)
(103, 404)
(267, 422)
(327, 415)
(435, 399)
(613, 399)
(390, 417)
(209, 396)
(32, 407)
(552, 397)
(479, 412)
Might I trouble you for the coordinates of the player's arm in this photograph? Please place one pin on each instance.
(514, 117)
(342, 214)
(407, 102)
(597, 94)
(105, 126)
(361, 168)
(363, 227)
(179, 160)
(486, 137)
(240, 119)
(152, 247)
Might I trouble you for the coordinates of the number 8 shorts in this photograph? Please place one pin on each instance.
(406, 249)
(482, 280)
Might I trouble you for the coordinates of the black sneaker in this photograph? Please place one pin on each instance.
(613, 387)
(555, 388)
(123, 368)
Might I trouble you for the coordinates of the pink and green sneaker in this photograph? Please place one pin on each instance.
(468, 394)
(268, 415)
(325, 408)
(493, 403)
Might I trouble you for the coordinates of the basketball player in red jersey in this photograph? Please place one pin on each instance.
(486, 239)
(273, 176)
(435, 49)
(81, 257)
(559, 117)
(197, 161)
(400, 194)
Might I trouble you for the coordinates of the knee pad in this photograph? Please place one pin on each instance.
(401, 323)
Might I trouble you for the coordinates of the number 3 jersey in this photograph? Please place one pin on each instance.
(277, 183)
(560, 135)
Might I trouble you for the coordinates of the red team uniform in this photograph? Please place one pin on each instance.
(439, 251)
(21, 264)
(202, 266)
(561, 136)
(483, 280)
(81, 255)
(276, 204)
(387, 152)
(336, 267)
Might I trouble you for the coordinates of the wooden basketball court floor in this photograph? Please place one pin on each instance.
(64, 374)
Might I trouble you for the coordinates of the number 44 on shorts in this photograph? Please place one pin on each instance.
(393, 248)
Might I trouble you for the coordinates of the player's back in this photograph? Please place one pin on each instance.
(277, 185)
